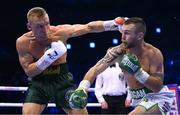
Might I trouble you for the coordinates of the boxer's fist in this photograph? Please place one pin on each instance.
(130, 63)
(78, 99)
(59, 47)
(56, 50)
(120, 20)
(112, 25)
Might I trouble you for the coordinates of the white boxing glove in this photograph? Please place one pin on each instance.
(52, 54)
(59, 47)
(112, 25)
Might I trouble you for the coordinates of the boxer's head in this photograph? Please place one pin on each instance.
(133, 31)
(38, 22)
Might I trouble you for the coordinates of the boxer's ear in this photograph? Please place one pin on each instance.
(28, 26)
(140, 35)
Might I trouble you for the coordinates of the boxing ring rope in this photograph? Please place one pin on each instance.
(49, 105)
(9, 88)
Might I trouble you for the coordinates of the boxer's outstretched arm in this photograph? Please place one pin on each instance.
(69, 31)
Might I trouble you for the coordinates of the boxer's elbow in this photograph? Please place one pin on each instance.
(32, 72)
(157, 89)
(154, 83)
(29, 74)
(158, 86)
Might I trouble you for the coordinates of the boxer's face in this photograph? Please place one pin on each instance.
(129, 35)
(40, 28)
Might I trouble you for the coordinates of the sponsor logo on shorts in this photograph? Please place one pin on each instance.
(137, 94)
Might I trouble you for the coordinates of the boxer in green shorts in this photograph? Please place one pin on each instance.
(43, 47)
(54, 84)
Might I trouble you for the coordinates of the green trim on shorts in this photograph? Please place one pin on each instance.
(142, 107)
(150, 107)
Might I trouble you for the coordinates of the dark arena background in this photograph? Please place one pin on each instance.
(163, 31)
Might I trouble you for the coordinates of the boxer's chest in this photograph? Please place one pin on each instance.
(36, 50)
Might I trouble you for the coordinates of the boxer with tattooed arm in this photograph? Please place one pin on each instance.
(142, 65)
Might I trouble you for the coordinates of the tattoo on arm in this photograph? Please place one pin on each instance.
(111, 55)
